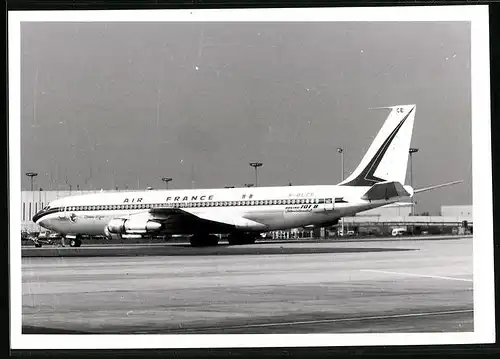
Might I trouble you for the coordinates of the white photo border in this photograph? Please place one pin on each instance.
(483, 267)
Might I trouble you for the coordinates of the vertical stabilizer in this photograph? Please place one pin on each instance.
(387, 157)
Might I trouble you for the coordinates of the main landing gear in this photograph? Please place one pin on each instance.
(210, 240)
(204, 240)
(243, 238)
(73, 241)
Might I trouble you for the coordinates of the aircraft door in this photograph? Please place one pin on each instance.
(329, 205)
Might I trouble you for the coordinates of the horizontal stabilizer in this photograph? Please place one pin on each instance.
(398, 204)
(436, 186)
(385, 191)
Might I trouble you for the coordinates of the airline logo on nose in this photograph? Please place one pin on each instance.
(72, 217)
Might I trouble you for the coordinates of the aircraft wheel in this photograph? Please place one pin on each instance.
(240, 239)
(204, 240)
(75, 242)
(212, 240)
(38, 245)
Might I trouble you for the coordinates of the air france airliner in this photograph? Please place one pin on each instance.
(244, 213)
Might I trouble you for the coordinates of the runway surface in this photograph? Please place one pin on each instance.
(404, 286)
(294, 246)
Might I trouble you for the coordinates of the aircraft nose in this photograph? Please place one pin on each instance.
(37, 216)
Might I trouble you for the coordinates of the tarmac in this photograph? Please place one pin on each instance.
(323, 287)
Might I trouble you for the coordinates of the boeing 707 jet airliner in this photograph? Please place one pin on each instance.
(244, 213)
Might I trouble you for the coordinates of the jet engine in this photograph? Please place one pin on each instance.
(333, 222)
(132, 226)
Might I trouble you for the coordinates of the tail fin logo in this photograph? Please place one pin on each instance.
(366, 177)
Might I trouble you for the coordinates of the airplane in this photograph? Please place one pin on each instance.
(245, 213)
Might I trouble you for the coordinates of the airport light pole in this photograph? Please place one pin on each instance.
(412, 151)
(32, 175)
(256, 165)
(166, 180)
(341, 151)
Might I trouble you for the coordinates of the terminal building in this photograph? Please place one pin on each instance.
(376, 221)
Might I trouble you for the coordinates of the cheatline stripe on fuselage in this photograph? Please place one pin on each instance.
(189, 204)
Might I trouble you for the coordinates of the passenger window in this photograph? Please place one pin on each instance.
(321, 201)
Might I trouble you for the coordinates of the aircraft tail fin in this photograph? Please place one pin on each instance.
(387, 156)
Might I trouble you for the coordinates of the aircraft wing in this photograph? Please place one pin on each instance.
(182, 217)
(174, 218)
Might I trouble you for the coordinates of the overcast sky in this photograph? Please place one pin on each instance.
(109, 104)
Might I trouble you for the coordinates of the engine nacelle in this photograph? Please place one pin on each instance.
(132, 226)
(116, 225)
(333, 222)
